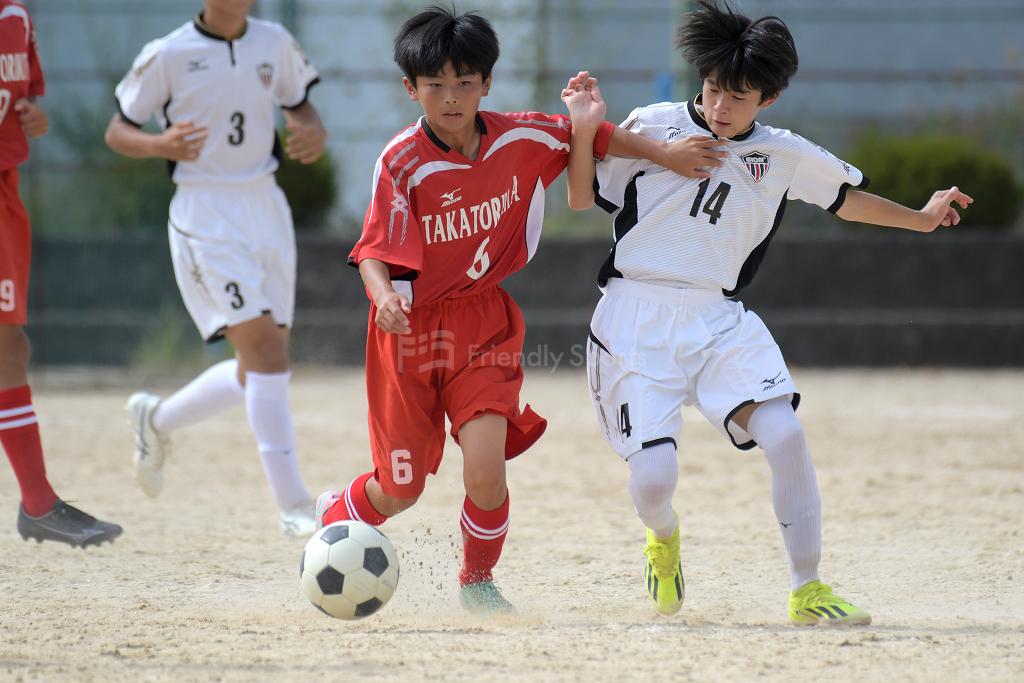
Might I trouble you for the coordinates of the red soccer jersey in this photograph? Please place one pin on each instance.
(453, 226)
(21, 76)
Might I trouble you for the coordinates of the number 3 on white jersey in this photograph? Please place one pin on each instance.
(481, 262)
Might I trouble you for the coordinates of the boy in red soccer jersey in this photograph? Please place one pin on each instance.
(457, 207)
(42, 515)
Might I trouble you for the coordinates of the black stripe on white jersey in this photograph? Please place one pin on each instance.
(841, 198)
(171, 164)
(125, 117)
(753, 262)
(305, 96)
(624, 222)
(601, 201)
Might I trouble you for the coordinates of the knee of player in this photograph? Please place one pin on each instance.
(401, 504)
(654, 471)
(270, 355)
(652, 488)
(487, 490)
(16, 350)
(788, 436)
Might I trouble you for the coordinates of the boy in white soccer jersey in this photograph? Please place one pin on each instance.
(216, 82)
(669, 330)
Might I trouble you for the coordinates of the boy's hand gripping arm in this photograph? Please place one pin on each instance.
(693, 156)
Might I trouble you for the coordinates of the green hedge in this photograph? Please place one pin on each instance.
(909, 170)
(311, 190)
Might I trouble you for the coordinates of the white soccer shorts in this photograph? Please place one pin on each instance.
(233, 250)
(653, 349)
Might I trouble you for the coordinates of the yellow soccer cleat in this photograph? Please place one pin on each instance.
(664, 573)
(814, 603)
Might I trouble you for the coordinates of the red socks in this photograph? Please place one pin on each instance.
(483, 535)
(483, 531)
(19, 434)
(354, 504)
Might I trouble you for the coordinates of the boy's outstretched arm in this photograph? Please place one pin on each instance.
(864, 207)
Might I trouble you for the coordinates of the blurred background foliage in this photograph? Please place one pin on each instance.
(909, 170)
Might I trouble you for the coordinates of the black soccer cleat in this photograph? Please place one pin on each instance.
(66, 524)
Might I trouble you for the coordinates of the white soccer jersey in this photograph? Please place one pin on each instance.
(710, 234)
(229, 86)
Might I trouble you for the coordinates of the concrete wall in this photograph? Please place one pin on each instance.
(877, 299)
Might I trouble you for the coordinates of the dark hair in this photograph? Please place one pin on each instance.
(742, 54)
(436, 36)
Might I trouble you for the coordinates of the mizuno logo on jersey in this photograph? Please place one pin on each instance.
(756, 164)
(463, 222)
(197, 65)
(451, 197)
(773, 381)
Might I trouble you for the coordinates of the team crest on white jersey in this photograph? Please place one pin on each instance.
(756, 164)
(266, 72)
(451, 197)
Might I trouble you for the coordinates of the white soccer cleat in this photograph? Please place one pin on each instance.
(299, 521)
(151, 448)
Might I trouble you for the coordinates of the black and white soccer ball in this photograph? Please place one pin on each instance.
(348, 570)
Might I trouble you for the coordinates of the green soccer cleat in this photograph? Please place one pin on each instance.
(663, 572)
(814, 603)
(484, 598)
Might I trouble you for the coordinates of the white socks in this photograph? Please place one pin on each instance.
(214, 391)
(266, 402)
(794, 486)
(653, 473)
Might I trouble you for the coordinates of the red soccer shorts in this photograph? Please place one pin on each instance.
(15, 252)
(463, 358)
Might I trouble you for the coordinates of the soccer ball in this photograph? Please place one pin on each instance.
(348, 570)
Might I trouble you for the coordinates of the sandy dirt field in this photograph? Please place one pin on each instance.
(922, 477)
